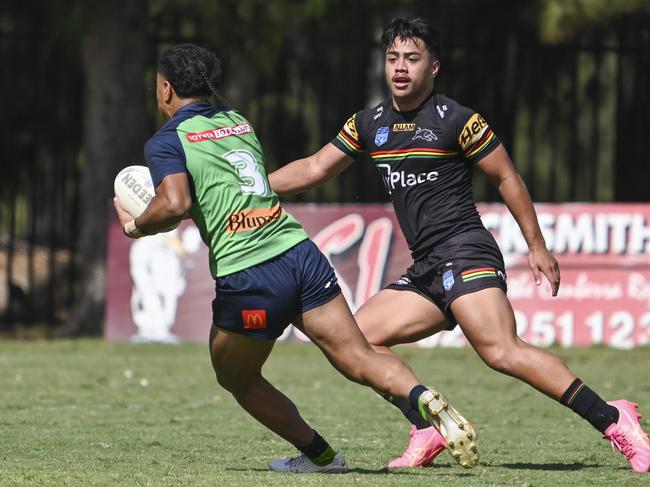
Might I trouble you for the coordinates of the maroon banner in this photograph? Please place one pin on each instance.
(160, 289)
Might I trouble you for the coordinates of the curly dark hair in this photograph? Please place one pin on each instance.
(193, 72)
(419, 28)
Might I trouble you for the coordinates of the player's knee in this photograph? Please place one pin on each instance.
(224, 380)
(497, 357)
(234, 383)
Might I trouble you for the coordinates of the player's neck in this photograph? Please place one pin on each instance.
(178, 103)
(408, 104)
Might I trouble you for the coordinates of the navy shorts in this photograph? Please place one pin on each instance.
(466, 263)
(263, 300)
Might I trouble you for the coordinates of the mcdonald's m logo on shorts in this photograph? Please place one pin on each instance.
(254, 319)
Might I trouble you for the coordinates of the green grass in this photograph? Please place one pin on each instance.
(93, 413)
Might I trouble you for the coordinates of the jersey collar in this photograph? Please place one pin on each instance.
(426, 100)
(190, 110)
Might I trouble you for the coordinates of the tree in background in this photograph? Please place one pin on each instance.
(116, 55)
(625, 23)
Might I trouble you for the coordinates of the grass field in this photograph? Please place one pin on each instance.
(93, 413)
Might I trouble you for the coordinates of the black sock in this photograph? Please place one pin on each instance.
(413, 415)
(589, 405)
(415, 394)
(318, 450)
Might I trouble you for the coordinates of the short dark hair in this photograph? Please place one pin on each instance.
(419, 27)
(191, 70)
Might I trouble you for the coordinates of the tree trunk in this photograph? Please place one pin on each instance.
(116, 49)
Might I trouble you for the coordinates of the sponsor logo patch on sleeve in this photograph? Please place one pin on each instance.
(472, 131)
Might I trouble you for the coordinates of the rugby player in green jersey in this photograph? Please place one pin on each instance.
(206, 163)
(426, 145)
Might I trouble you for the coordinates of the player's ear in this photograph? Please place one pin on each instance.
(168, 92)
(435, 67)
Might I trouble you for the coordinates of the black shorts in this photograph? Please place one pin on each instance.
(466, 263)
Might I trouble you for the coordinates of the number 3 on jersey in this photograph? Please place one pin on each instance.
(252, 180)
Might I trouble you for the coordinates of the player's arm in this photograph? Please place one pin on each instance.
(303, 174)
(167, 208)
(499, 169)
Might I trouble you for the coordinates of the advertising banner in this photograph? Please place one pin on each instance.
(160, 288)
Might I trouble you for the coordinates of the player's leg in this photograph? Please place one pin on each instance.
(412, 317)
(251, 310)
(237, 361)
(333, 329)
(488, 322)
(392, 317)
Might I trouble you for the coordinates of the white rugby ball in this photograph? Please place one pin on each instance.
(134, 188)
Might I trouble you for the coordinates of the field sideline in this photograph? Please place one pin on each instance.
(92, 413)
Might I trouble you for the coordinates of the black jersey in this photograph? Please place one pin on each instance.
(426, 159)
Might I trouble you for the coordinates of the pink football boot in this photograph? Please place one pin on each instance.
(424, 446)
(627, 436)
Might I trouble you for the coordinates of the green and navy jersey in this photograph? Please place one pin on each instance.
(240, 218)
(426, 158)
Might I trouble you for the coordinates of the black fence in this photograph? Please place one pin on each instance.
(572, 117)
(40, 158)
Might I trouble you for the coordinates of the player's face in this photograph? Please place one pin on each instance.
(410, 69)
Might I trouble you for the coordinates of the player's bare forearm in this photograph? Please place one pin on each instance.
(169, 206)
(295, 177)
(303, 174)
(516, 197)
(500, 170)
(514, 193)
(159, 215)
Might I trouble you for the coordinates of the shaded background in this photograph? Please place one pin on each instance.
(565, 85)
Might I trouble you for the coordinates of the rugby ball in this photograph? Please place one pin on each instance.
(134, 188)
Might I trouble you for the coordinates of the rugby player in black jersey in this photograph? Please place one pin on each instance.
(426, 146)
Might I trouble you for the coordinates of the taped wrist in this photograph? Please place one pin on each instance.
(131, 230)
